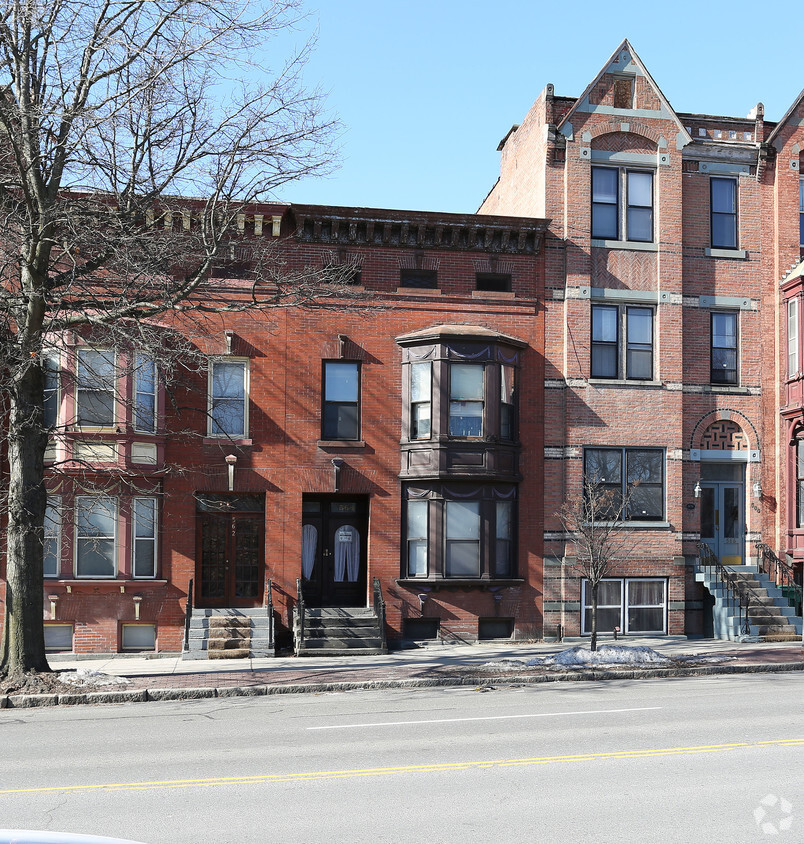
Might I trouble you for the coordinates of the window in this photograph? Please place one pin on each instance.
(341, 400)
(466, 391)
(144, 394)
(143, 513)
(58, 637)
(51, 397)
(609, 217)
(723, 222)
(52, 536)
(95, 388)
(423, 279)
(623, 93)
(493, 282)
(138, 637)
(95, 529)
(447, 536)
(792, 337)
(635, 605)
(421, 377)
(632, 472)
(800, 483)
(228, 392)
(609, 323)
(507, 407)
(801, 211)
(724, 348)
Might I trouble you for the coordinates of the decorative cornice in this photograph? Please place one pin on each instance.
(417, 229)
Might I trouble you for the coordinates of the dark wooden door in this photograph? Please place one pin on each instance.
(334, 533)
(230, 562)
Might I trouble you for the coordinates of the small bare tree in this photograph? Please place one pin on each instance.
(594, 523)
(109, 111)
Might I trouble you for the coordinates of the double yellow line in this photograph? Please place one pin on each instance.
(267, 779)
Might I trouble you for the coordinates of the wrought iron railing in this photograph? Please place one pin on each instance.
(269, 605)
(379, 610)
(739, 595)
(299, 631)
(780, 573)
(187, 615)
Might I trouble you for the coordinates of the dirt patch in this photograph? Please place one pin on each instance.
(35, 683)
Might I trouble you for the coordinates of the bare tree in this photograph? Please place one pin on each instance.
(109, 111)
(594, 523)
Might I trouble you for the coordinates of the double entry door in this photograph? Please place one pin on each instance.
(723, 519)
(334, 533)
(230, 545)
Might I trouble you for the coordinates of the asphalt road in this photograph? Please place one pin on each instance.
(687, 760)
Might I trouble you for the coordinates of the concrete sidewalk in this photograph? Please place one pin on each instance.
(438, 665)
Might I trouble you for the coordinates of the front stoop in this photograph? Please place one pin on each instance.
(230, 634)
(770, 615)
(339, 631)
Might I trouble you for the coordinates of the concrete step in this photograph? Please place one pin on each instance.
(341, 651)
(338, 612)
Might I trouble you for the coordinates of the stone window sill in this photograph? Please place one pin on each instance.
(634, 245)
(734, 254)
(325, 444)
(239, 441)
(436, 583)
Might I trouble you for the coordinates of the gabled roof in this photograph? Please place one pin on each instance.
(787, 115)
(614, 65)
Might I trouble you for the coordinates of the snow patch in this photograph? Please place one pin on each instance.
(604, 655)
(88, 677)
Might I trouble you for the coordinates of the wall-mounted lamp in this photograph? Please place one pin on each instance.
(337, 465)
(697, 489)
(756, 488)
(137, 601)
(231, 459)
(422, 601)
(53, 601)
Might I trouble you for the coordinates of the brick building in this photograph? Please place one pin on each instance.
(669, 233)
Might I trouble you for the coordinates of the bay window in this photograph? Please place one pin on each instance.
(421, 378)
(466, 393)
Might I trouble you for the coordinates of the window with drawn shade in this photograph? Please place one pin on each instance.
(463, 539)
(466, 389)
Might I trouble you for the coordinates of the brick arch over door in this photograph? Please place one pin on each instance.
(724, 431)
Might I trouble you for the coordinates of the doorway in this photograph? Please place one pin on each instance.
(334, 533)
(723, 510)
(230, 544)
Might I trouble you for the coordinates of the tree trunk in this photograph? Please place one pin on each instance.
(23, 631)
(595, 587)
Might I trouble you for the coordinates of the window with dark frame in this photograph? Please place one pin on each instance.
(611, 221)
(723, 346)
(341, 394)
(608, 360)
(632, 604)
(449, 537)
(493, 282)
(723, 212)
(633, 472)
(466, 399)
(421, 279)
(421, 389)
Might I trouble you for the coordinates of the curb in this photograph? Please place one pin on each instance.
(203, 692)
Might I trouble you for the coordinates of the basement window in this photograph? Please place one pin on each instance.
(138, 637)
(421, 279)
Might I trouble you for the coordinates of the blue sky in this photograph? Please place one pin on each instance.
(426, 89)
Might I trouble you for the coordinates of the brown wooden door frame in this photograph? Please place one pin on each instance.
(236, 578)
(322, 590)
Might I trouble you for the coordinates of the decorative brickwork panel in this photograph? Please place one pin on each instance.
(645, 96)
(624, 142)
(724, 436)
(623, 269)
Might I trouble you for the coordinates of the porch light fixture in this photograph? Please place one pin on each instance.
(697, 489)
(756, 488)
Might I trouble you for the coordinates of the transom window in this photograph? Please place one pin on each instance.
(723, 222)
(635, 473)
(633, 357)
(622, 204)
(341, 411)
(228, 398)
(724, 347)
(95, 388)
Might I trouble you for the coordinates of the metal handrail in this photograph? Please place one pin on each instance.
(739, 594)
(299, 614)
(379, 610)
(269, 605)
(188, 611)
(780, 573)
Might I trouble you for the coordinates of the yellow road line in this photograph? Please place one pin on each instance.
(266, 779)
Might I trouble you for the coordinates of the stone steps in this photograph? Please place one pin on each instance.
(228, 633)
(339, 631)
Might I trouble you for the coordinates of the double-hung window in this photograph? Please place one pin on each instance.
(799, 482)
(421, 391)
(96, 536)
(801, 212)
(633, 605)
(466, 392)
(51, 397)
(228, 398)
(95, 388)
(144, 394)
(143, 511)
(507, 402)
(463, 538)
(723, 347)
(52, 536)
(341, 411)
(632, 474)
(723, 213)
(633, 357)
(622, 204)
(792, 337)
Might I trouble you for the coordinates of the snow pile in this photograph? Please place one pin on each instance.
(505, 665)
(88, 677)
(604, 655)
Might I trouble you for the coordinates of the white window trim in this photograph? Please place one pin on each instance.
(135, 538)
(115, 522)
(52, 359)
(624, 605)
(246, 392)
(138, 358)
(55, 502)
(113, 390)
(793, 367)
